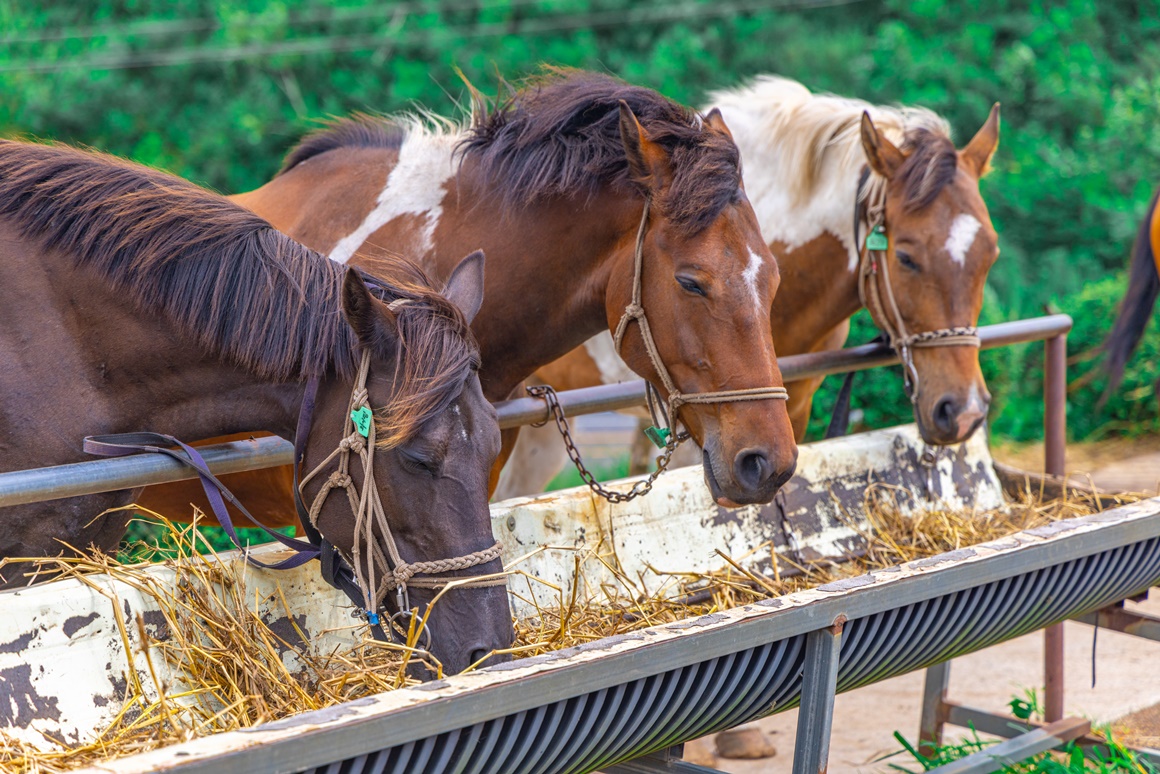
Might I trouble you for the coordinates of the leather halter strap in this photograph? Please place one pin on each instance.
(635, 312)
(877, 295)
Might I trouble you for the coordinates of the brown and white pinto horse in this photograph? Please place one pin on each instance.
(1136, 308)
(552, 185)
(804, 156)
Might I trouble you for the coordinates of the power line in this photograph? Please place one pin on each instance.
(315, 16)
(353, 43)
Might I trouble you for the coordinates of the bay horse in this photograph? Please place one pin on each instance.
(555, 183)
(1136, 308)
(132, 299)
(813, 167)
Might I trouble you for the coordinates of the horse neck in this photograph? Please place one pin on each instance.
(549, 268)
(810, 232)
(134, 371)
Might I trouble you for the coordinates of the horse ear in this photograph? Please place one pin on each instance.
(465, 286)
(884, 156)
(371, 320)
(716, 122)
(648, 163)
(982, 146)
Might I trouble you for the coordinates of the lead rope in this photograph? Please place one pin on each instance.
(369, 513)
(873, 263)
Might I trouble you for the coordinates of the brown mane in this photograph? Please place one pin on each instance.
(930, 166)
(224, 277)
(559, 135)
(360, 130)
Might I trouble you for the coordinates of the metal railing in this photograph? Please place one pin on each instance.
(83, 478)
(821, 624)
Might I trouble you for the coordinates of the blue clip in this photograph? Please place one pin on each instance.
(372, 618)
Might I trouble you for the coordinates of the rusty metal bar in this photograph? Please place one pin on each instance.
(811, 750)
(1117, 619)
(28, 486)
(1054, 464)
(1018, 748)
(611, 397)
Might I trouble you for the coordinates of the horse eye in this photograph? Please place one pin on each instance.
(418, 462)
(905, 259)
(691, 286)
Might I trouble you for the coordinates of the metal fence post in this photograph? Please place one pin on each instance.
(1054, 450)
(811, 751)
(933, 717)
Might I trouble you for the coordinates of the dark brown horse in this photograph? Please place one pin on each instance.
(1136, 308)
(804, 156)
(552, 184)
(133, 300)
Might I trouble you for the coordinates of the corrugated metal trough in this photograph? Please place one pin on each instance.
(619, 698)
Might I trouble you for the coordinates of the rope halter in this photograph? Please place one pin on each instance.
(662, 435)
(367, 507)
(872, 291)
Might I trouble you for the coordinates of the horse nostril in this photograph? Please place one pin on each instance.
(945, 412)
(477, 655)
(751, 468)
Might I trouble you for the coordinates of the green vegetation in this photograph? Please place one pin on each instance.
(221, 88)
(1070, 759)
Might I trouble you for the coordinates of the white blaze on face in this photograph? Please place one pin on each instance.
(414, 187)
(750, 275)
(964, 228)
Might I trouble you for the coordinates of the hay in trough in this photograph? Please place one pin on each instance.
(234, 664)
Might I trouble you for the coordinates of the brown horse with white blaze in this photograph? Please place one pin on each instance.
(553, 185)
(134, 300)
(815, 167)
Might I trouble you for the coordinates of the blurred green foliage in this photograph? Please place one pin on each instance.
(218, 90)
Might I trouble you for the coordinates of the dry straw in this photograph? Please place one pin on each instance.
(235, 674)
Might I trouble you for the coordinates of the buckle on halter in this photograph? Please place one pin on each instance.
(658, 435)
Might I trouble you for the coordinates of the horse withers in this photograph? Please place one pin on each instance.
(134, 300)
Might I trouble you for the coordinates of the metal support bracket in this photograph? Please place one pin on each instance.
(811, 751)
(667, 761)
(934, 707)
(1117, 619)
(1018, 748)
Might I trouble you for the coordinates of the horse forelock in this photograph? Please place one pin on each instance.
(558, 135)
(223, 276)
(437, 350)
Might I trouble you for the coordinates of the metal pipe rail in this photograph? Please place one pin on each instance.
(82, 478)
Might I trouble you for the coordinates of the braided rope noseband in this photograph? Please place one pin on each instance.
(635, 311)
(369, 514)
(872, 264)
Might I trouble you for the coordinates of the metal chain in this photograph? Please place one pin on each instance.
(643, 487)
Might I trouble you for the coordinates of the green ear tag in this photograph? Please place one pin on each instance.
(876, 239)
(658, 435)
(362, 421)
